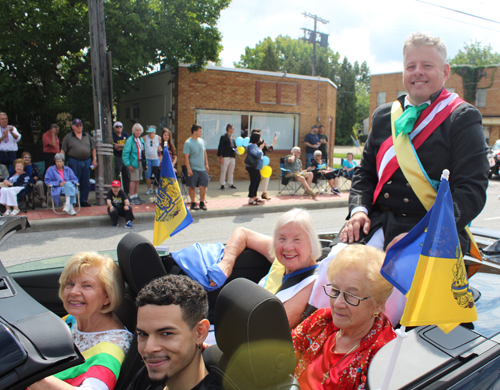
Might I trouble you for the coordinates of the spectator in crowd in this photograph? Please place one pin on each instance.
(227, 157)
(167, 142)
(195, 159)
(63, 181)
(119, 205)
(264, 181)
(319, 168)
(323, 138)
(134, 158)
(294, 165)
(171, 328)
(312, 143)
(4, 172)
(12, 186)
(35, 177)
(349, 164)
(254, 171)
(50, 142)
(152, 143)
(79, 148)
(119, 138)
(9, 137)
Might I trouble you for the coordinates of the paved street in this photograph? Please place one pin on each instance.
(31, 246)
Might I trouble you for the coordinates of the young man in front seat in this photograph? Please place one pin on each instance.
(171, 329)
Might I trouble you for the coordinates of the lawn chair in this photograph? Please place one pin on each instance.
(58, 209)
(287, 180)
(345, 180)
(320, 183)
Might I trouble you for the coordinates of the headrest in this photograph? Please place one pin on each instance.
(252, 330)
(139, 261)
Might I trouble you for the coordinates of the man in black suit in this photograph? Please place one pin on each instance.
(227, 157)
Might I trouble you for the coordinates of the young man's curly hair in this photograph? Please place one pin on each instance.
(176, 290)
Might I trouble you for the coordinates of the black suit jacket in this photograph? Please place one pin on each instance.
(457, 144)
(226, 145)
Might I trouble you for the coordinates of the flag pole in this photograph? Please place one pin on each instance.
(401, 334)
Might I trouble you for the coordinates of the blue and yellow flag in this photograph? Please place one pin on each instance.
(171, 213)
(435, 283)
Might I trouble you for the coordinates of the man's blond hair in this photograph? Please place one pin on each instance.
(418, 39)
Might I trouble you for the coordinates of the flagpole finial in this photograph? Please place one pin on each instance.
(445, 175)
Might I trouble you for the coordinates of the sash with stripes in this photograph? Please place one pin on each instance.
(101, 368)
(429, 120)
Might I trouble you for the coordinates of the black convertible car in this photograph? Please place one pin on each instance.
(254, 348)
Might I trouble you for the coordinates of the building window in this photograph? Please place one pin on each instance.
(481, 98)
(214, 122)
(380, 98)
(135, 111)
(127, 113)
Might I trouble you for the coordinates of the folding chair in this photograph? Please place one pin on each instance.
(185, 188)
(61, 203)
(287, 180)
(320, 182)
(345, 180)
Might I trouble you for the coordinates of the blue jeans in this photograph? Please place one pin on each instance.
(309, 157)
(69, 189)
(81, 168)
(151, 164)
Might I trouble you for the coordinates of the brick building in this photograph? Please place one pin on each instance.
(277, 103)
(387, 87)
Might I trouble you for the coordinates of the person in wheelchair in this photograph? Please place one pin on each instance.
(91, 288)
(335, 345)
(12, 186)
(63, 180)
(293, 251)
(294, 165)
(171, 328)
(320, 169)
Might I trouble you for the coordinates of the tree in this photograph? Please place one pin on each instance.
(470, 63)
(45, 61)
(363, 80)
(346, 103)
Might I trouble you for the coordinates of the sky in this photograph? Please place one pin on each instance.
(364, 30)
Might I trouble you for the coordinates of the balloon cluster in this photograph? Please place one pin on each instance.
(241, 144)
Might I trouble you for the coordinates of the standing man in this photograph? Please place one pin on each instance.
(134, 158)
(227, 157)
(323, 139)
(195, 159)
(50, 143)
(9, 137)
(119, 138)
(171, 328)
(312, 143)
(79, 148)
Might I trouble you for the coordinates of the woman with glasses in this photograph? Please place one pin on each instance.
(152, 143)
(334, 346)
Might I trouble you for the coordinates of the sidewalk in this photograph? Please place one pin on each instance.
(219, 203)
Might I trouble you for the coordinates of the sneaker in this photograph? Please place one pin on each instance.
(264, 196)
(194, 206)
(116, 224)
(85, 204)
(129, 225)
(72, 210)
(149, 192)
(7, 213)
(66, 208)
(14, 212)
(221, 187)
(135, 201)
(232, 187)
(335, 191)
(202, 206)
(44, 205)
(140, 200)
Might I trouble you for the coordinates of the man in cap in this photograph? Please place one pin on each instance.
(119, 205)
(79, 149)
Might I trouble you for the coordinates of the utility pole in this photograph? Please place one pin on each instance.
(103, 99)
(312, 37)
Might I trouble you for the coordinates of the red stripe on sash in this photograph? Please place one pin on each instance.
(417, 141)
(102, 373)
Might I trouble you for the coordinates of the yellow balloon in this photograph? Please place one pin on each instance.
(266, 171)
(240, 150)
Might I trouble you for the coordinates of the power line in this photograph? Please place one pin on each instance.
(460, 12)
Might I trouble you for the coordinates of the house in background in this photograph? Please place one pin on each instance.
(277, 103)
(387, 87)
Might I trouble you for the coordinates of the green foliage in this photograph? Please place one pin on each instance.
(346, 103)
(45, 57)
(470, 63)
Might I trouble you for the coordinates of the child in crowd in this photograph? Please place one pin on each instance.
(118, 204)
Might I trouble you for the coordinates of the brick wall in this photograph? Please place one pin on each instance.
(233, 90)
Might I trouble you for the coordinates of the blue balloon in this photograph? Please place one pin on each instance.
(246, 141)
(265, 161)
(239, 141)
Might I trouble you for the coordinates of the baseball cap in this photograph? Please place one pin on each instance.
(151, 129)
(314, 127)
(118, 124)
(116, 183)
(76, 121)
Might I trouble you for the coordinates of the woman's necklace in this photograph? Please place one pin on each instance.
(326, 375)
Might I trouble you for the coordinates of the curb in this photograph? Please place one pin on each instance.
(43, 225)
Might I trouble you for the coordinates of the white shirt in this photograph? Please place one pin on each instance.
(9, 144)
